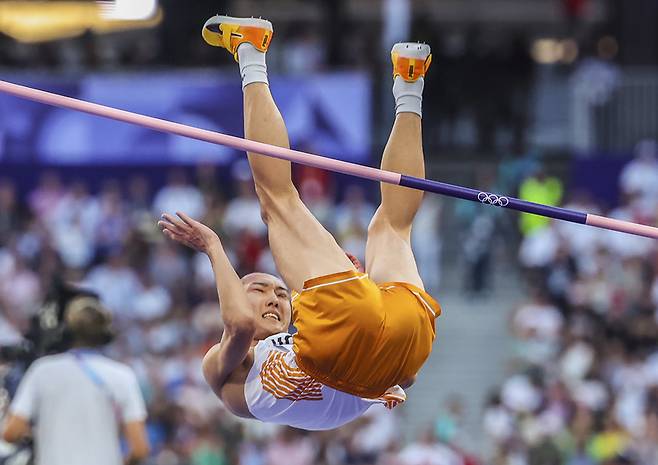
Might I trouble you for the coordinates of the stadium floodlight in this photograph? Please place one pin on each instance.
(128, 10)
(41, 21)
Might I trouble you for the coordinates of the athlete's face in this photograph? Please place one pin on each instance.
(270, 300)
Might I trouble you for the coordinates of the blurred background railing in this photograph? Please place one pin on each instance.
(617, 112)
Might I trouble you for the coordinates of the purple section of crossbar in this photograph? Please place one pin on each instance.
(493, 199)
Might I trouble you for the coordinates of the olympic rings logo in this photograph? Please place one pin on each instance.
(493, 199)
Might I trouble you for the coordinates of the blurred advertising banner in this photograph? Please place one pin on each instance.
(327, 114)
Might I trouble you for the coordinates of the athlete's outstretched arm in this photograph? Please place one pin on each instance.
(239, 327)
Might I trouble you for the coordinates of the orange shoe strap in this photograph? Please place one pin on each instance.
(410, 69)
(233, 35)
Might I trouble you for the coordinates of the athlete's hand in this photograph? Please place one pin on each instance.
(189, 232)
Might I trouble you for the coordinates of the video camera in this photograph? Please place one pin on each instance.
(47, 333)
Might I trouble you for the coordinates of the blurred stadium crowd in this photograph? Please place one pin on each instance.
(584, 388)
(164, 300)
(585, 384)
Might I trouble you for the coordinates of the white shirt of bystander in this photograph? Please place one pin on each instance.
(640, 176)
(429, 454)
(75, 419)
(173, 198)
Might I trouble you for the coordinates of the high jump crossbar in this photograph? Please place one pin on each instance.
(330, 164)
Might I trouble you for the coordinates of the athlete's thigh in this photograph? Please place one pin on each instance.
(389, 257)
(302, 248)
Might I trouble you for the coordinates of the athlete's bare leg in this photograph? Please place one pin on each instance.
(301, 246)
(388, 249)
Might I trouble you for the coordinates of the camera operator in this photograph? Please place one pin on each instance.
(79, 401)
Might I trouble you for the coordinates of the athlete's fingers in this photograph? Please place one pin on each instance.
(175, 234)
(178, 238)
(162, 224)
(187, 219)
(198, 230)
(175, 221)
(172, 227)
(168, 218)
(170, 235)
(169, 232)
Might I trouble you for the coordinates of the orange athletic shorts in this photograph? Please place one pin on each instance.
(360, 337)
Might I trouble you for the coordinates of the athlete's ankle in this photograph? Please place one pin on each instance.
(253, 66)
(408, 96)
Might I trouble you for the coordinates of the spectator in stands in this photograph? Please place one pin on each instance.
(242, 213)
(304, 52)
(138, 203)
(352, 217)
(426, 241)
(373, 433)
(539, 188)
(116, 284)
(75, 225)
(44, 199)
(20, 290)
(179, 195)
(294, 445)
(639, 178)
(168, 266)
(428, 451)
(450, 428)
(537, 324)
(151, 301)
(315, 191)
(478, 244)
(10, 210)
(113, 224)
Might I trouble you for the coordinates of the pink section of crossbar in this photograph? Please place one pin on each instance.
(622, 226)
(202, 134)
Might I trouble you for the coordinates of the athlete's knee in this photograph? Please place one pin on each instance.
(275, 202)
(384, 224)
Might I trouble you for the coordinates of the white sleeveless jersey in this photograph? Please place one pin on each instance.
(278, 391)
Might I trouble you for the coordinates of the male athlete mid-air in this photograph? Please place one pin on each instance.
(359, 336)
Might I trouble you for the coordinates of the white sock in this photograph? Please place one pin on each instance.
(408, 96)
(253, 67)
